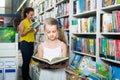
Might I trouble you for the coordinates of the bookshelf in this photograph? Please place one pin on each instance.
(97, 34)
(86, 13)
(81, 53)
(91, 14)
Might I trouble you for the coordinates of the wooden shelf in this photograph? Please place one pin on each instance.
(85, 54)
(110, 60)
(85, 13)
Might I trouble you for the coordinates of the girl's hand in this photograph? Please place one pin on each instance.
(30, 29)
(60, 65)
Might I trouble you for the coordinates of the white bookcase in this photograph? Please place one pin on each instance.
(97, 12)
(9, 59)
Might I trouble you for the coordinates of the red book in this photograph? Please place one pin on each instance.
(118, 49)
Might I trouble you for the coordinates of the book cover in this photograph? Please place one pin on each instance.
(74, 27)
(55, 60)
(84, 62)
(113, 49)
(118, 21)
(92, 47)
(103, 46)
(84, 25)
(35, 25)
(103, 70)
(106, 22)
(115, 73)
(76, 60)
(118, 50)
(74, 7)
(82, 5)
(90, 69)
(73, 43)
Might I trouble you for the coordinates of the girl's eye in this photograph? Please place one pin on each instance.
(48, 32)
(54, 31)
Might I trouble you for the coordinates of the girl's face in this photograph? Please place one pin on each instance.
(51, 32)
(30, 14)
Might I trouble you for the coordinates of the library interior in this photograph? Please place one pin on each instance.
(59, 40)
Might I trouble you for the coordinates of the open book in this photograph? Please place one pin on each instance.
(52, 62)
(35, 25)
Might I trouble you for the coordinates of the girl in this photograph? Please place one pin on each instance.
(54, 46)
(27, 38)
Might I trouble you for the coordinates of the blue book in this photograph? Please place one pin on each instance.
(82, 5)
(35, 24)
(79, 44)
(115, 73)
(76, 60)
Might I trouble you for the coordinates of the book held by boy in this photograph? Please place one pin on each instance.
(55, 60)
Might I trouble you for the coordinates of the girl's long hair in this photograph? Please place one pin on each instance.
(27, 10)
(61, 34)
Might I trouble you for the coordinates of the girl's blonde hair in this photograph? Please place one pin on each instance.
(61, 34)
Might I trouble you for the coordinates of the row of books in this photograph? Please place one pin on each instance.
(111, 22)
(41, 8)
(49, 4)
(106, 3)
(83, 5)
(67, 36)
(58, 1)
(64, 22)
(63, 9)
(110, 48)
(84, 25)
(94, 70)
(85, 45)
(46, 15)
(45, 5)
(84, 66)
(109, 72)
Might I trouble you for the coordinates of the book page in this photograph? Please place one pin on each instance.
(58, 59)
(37, 59)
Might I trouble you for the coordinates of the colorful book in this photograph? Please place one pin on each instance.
(118, 50)
(84, 62)
(103, 70)
(76, 60)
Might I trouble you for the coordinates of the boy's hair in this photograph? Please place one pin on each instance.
(53, 21)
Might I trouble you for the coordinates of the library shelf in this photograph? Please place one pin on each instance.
(85, 54)
(61, 1)
(63, 16)
(111, 8)
(110, 60)
(85, 13)
(49, 9)
(110, 33)
(84, 33)
(42, 13)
